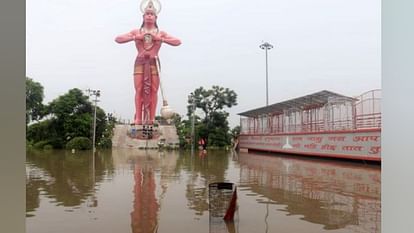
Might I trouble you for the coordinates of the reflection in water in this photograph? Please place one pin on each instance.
(203, 169)
(67, 178)
(149, 191)
(33, 186)
(146, 166)
(334, 194)
(144, 215)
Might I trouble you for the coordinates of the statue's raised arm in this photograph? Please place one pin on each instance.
(127, 37)
(169, 39)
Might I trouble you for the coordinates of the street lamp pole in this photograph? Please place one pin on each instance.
(192, 124)
(95, 93)
(266, 46)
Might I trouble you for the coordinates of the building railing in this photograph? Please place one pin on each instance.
(362, 113)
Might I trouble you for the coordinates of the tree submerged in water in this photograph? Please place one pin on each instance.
(214, 127)
(68, 117)
(34, 99)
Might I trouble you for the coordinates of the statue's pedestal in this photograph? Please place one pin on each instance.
(145, 137)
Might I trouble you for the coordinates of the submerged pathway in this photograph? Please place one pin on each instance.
(119, 140)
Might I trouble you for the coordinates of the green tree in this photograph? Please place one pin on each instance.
(72, 103)
(69, 116)
(235, 132)
(34, 99)
(214, 126)
(211, 101)
(72, 113)
(42, 131)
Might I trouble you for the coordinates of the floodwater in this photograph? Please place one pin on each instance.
(150, 191)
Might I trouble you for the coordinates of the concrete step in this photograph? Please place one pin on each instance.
(167, 136)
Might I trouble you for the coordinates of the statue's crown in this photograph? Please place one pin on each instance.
(151, 5)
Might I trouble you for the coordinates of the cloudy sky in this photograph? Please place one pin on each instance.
(318, 45)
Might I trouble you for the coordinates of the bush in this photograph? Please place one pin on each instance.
(48, 147)
(41, 144)
(105, 143)
(57, 143)
(79, 143)
(39, 131)
(29, 145)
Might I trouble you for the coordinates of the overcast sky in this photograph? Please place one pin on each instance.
(318, 45)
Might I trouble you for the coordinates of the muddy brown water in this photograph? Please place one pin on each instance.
(134, 191)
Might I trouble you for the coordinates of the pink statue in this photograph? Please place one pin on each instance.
(148, 40)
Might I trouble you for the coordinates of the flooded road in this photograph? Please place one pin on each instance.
(150, 191)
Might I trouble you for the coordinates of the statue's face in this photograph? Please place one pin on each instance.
(150, 17)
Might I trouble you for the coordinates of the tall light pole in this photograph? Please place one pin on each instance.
(266, 46)
(95, 93)
(192, 124)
